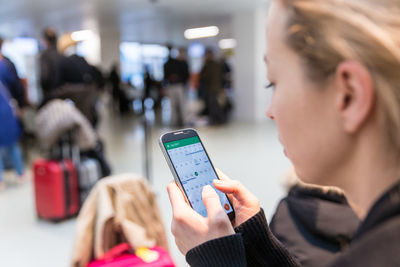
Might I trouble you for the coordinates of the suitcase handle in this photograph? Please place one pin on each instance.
(66, 147)
(67, 187)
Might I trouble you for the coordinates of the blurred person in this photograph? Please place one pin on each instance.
(176, 74)
(226, 73)
(10, 133)
(122, 101)
(152, 87)
(115, 81)
(224, 98)
(184, 65)
(77, 80)
(211, 83)
(334, 66)
(74, 69)
(50, 64)
(148, 82)
(9, 78)
(62, 65)
(98, 77)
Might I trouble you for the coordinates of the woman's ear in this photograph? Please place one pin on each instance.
(355, 95)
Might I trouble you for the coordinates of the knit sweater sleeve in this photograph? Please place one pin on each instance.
(252, 245)
(262, 247)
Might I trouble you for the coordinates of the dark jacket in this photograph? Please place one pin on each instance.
(376, 242)
(75, 69)
(176, 71)
(211, 77)
(50, 70)
(10, 130)
(314, 225)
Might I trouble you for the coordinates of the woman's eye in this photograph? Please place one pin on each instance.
(270, 86)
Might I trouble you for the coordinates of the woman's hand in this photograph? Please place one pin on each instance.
(190, 228)
(246, 204)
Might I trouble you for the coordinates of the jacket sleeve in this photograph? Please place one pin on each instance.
(15, 87)
(262, 247)
(252, 245)
(226, 251)
(44, 73)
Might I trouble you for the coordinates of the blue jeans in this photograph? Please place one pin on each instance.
(14, 152)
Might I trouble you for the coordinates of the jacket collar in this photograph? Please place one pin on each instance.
(386, 208)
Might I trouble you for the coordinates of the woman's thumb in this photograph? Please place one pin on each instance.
(211, 201)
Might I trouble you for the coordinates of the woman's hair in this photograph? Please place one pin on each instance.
(325, 33)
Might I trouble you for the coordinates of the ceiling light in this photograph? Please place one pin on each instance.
(227, 43)
(203, 32)
(82, 35)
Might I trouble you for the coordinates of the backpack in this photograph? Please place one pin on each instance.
(10, 130)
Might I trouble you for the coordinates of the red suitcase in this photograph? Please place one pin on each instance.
(56, 189)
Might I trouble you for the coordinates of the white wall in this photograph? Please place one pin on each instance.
(262, 95)
(110, 41)
(243, 65)
(251, 98)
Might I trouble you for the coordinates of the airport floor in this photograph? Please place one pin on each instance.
(249, 152)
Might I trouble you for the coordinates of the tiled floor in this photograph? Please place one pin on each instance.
(245, 151)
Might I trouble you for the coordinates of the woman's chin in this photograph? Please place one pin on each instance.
(308, 178)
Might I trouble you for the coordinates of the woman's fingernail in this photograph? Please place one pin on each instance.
(207, 188)
(217, 181)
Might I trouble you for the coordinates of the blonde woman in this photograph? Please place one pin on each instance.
(335, 68)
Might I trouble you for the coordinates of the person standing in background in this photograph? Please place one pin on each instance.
(176, 74)
(10, 133)
(115, 82)
(9, 78)
(50, 64)
(184, 66)
(211, 82)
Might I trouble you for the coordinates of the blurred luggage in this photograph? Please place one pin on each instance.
(65, 132)
(120, 208)
(88, 169)
(89, 174)
(56, 189)
(59, 116)
(97, 153)
(84, 96)
(56, 181)
(122, 256)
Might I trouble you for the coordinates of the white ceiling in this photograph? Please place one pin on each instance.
(134, 19)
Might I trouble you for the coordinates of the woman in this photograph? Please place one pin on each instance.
(335, 66)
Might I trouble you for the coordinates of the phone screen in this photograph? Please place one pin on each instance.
(194, 169)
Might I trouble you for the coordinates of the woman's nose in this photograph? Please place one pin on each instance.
(269, 112)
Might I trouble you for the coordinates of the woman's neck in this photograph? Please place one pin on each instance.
(369, 174)
(361, 201)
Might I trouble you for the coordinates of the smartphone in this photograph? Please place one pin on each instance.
(192, 168)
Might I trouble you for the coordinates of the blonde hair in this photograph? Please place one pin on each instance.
(325, 33)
